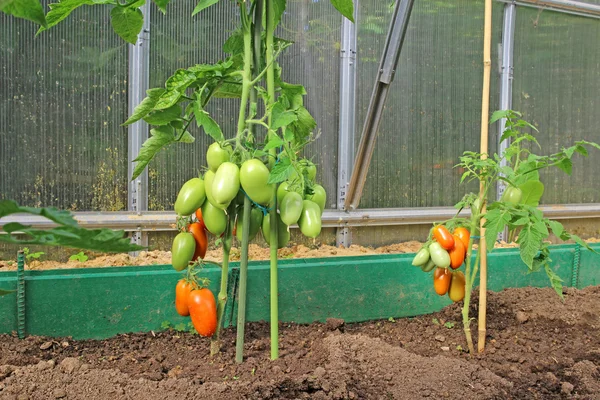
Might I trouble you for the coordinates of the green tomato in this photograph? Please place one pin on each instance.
(440, 257)
(512, 195)
(217, 155)
(428, 267)
(310, 219)
(226, 184)
(209, 178)
(319, 196)
(310, 168)
(190, 197)
(182, 250)
(214, 218)
(256, 219)
(421, 258)
(282, 190)
(283, 231)
(253, 177)
(291, 208)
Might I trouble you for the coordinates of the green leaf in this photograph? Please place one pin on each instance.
(228, 91)
(160, 137)
(499, 114)
(303, 127)
(27, 9)
(273, 143)
(281, 171)
(163, 117)
(281, 116)
(209, 125)
(162, 5)
(202, 4)
(279, 8)
(176, 86)
(61, 217)
(146, 106)
(532, 192)
(565, 165)
(345, 7)
(496, 220)
(234, 43)
(530, 242)
(127, 22)
(555, 281)
(556, 227)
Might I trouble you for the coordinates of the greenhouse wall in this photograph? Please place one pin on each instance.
(64, 95)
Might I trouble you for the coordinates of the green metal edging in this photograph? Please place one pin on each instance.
(102, 302)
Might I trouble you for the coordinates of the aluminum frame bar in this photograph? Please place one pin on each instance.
(564, 6)
(385, 76)
(155, 221)
(347, 121)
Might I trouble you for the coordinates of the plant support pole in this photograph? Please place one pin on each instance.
(485, 105)
(21, 294)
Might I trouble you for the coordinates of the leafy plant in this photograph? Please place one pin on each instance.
(32, 256)
(517, 210)
(81, 257)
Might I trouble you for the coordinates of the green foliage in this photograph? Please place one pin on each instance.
(68, 233)
(345, 7)
(32, 256)
(81, 257)
(27, 9)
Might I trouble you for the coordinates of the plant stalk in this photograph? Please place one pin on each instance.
(469, 278)
(241, 317)
(270, 24)
(215, 343)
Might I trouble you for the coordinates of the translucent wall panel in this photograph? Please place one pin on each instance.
(433, 111)
(179, 40)
(63, 95)
(557, 87)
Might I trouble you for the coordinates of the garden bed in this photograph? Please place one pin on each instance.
(538, 347)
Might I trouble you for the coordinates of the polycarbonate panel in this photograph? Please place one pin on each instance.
(63, 96)
(179, 41)
(433, 110)
(557, 88)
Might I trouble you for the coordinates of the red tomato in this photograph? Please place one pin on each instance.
(201, 238)
(182, 292)
(457, 253)
(443, 237)
(463, 234)
(441, 280)
(199, 218)
(203, 311)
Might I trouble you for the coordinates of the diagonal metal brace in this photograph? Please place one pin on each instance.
(385, 76)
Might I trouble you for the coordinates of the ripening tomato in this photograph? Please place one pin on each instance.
(422, 257)
(457, 253)
(199, 218)
(182, 250)
(456, 292)
(217, 155)
(443, 237)
(197, 229)
(203, 311)
(428, 267)
(190, 197)
(440, 257)
(182, 292)
(463, 234)
(441, 280)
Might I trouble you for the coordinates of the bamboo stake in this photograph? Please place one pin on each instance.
(485, 105)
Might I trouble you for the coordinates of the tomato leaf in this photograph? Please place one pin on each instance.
(496, 220)
(209, 125)
(281, 116)
(31, 10)
(566, 165)
(127, 22)
(499, 114)
(281, 171)
(530, 242)
(532, 192)
(176, 86)
(345, 7)
(556, 227)
(274, 142)
(163, 117)
(279, 8)
(146, 106)
(303, 126)
(162, 5)
(555, 281)
(202, 4)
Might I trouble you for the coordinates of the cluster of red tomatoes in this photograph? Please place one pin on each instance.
(444, 255)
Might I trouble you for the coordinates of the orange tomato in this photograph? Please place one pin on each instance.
(199, 218)
(182, 292)
(456, 292)
(463, 234)
(201, 238)
(441, 280)
(443, 237)
(457, 253)
(203, 311)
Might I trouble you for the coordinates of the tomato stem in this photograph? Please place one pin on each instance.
(241, 317)
(469, 278)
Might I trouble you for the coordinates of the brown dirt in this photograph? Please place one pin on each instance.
(255, 252)
(537, 348)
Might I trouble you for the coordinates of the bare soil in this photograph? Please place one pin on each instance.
(538, 347)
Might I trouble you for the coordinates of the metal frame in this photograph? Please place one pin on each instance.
(506, 81)
(564, 6)
(155, 221)
(385, 76)
(347, 129)
(139, 82)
